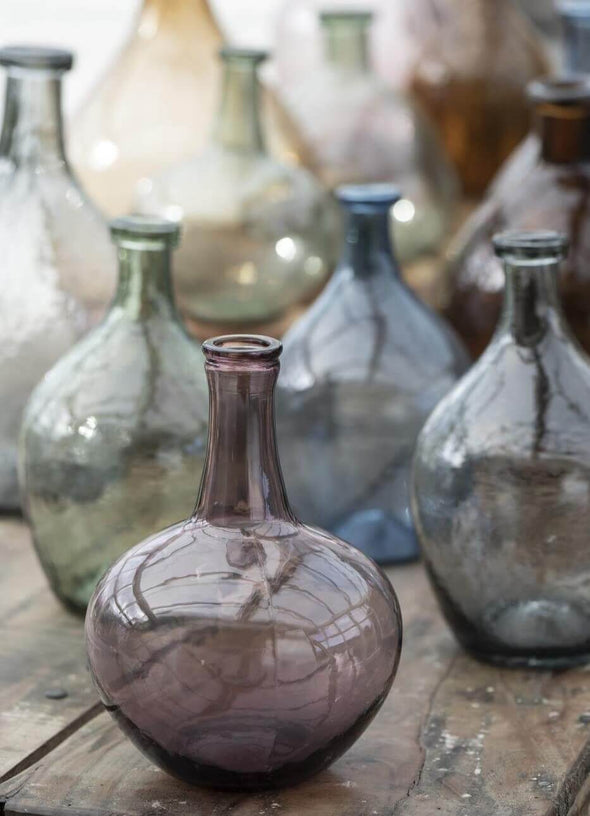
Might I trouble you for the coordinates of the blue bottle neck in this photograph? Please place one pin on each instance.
(368, 249)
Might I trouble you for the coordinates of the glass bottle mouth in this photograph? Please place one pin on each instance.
(573, 89)
(368, 197)
(138, 229)
(37, 58)
(242, 350)
(248, 56)
(534, 246)
(334, 16)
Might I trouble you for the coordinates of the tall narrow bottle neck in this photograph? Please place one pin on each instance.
(32, 131)
(532, 306)
(346, 45)
(565, 132)
(238, 127)
(145, 285)
(242, 481)
(367, 249)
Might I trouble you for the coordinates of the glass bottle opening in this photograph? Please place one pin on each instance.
(242, 348)
(368, 197)
(541, 245)
(37, 58)
(246, 55)
(134, 229)
(564, 90)
(346, 16)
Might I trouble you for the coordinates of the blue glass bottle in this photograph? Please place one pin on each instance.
(361, 372)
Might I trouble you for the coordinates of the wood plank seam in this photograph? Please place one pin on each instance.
(572, 785)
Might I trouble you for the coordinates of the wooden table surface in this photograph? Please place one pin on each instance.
(454, 738)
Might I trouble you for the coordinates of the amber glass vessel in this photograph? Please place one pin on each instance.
(551, 194)
(153, 107)
(240, 649)
(501, 484)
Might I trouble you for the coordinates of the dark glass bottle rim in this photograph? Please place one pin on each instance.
(255, 55)
(574, 10)
(534, 245)
(368, 197)
(36, 57)
(242, 348)
(363, 16)
(561, 90)
(141, 228)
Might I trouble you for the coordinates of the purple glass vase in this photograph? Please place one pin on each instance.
(241, 649)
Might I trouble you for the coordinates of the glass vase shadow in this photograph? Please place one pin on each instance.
(240, 649)
(357, 130)
(58, 267)
(258, 234)
(362, 370)
(113, 438)
(501, 484)
(547, 190)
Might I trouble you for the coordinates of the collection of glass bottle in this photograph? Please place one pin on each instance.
(241, 648)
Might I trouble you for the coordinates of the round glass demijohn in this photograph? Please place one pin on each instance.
(114, 436)
(547, 190)
(354, 129)
(362, 370)
(58, 267)
(501, 484)
(240, 649)
(466, 61)
(258, 234)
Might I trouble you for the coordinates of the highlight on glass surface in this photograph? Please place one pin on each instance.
(362, 370)
(241, 649)
(501, 478)
(355, 129)
(258, 234)
(113, 440)
(546, 187)
(58, 269)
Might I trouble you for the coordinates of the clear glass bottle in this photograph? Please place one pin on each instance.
(355, 130)
(551, 194)
(155, 104)
(361, 372)
(467, 61)
(114, 436)
(501, 485)
(58, 268)
(240, 649)
(258, 234)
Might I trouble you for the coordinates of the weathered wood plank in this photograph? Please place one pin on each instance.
(41, 649)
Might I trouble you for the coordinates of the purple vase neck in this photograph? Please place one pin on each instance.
(368, 249)
(242, 481)
(532, 307)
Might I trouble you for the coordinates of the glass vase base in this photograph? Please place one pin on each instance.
(542, 662)
(382, 537)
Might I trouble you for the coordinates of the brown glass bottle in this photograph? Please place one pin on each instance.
(553, 193)
(474, 61)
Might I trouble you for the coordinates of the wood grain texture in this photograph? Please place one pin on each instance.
(41, 648)
(454, 737)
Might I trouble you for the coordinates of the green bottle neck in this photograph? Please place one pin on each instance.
(238, 127)
(145, 282)
(32, 130)
(346, 43)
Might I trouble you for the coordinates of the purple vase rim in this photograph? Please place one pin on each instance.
(242, 349)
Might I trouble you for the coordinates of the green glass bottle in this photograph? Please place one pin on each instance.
(113, 439)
